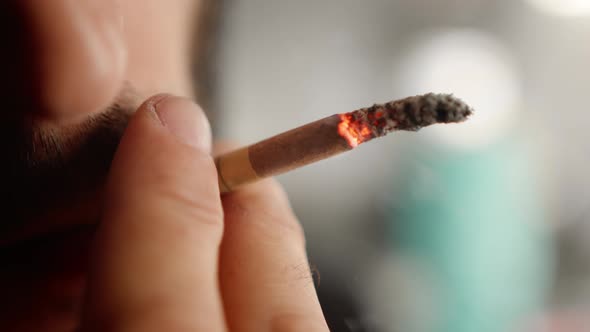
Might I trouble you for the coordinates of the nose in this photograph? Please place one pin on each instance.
(67, 56)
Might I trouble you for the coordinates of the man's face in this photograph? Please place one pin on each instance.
(74, 72)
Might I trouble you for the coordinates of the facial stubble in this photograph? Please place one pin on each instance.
(48, 167)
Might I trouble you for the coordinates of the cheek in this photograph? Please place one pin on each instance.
(80, 56)
(158, 34)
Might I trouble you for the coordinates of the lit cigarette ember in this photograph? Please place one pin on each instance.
(333, 135)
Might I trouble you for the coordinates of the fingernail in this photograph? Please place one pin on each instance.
(185, 120)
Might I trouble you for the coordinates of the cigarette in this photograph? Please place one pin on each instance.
(333, 135)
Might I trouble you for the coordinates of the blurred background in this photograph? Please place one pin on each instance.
(482, 226)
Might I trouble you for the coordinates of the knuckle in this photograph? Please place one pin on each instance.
(187, 184)
(266, 209)
(289, 228)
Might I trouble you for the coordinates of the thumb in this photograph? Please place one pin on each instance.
(156, 250)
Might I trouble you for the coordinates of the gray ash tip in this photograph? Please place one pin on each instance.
(411, 113)
(415, 112)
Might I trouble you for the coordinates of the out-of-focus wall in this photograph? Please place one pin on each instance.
(285, 63)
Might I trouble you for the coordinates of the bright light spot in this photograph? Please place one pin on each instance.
(475, 68)
(562, 7)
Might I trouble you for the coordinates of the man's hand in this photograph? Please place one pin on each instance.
(171, 255)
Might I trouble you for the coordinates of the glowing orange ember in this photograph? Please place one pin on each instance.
(354, 132)
(365, 132)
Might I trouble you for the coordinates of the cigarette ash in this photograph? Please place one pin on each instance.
(411, 114)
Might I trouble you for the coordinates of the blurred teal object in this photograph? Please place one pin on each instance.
(476, 221)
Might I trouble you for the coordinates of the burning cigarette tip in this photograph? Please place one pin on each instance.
(411, 114)
(334, 134)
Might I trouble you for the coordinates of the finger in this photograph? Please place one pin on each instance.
(156, 253)
(265, 278)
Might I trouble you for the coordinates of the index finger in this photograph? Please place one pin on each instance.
(266, 282)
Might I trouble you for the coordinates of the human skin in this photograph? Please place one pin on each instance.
(145, 242)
